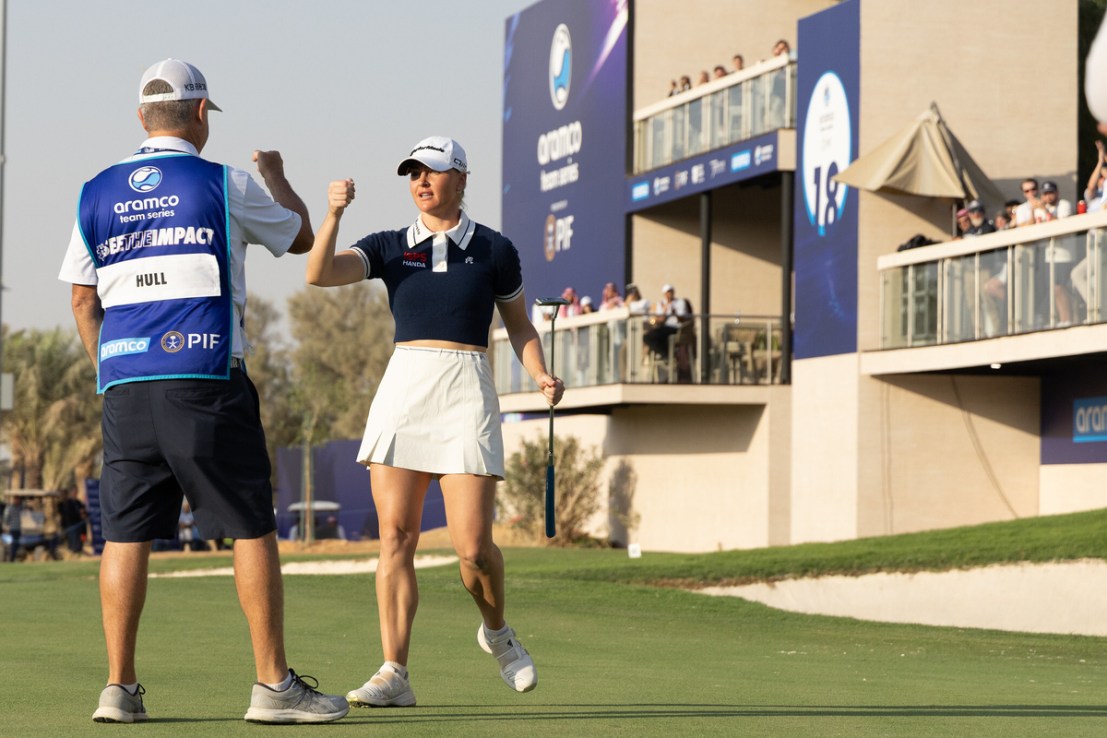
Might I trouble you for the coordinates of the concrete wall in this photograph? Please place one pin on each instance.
(701, 478)
(946, 450)
(745, 251)
(825, 452)
(1072, 487)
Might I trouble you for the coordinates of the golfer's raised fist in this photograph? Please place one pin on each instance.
(340, 193)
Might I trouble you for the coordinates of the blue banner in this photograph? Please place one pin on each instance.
(743, 161)
(338, 477)
(1074, 416)
(564, 143)
(1089, 420)
(828, 86)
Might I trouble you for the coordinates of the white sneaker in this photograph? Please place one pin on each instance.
(386, 688)
(516, 665)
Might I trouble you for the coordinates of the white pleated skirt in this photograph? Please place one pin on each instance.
(437, 411)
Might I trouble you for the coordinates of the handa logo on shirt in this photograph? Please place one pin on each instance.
(415, 259)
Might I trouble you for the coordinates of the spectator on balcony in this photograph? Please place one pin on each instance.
(586, 305)
(978, 223)
(573, 308)
(1051, 206)
(1024, 212)
(637, 304)
(1093, 193)
(685, 83)
(1003, 220)
(719, 71)
(704, 78)
(738, 63)
(670, 314)
(610, 299)
(1059, 251)
(781, 48)
(963, 223)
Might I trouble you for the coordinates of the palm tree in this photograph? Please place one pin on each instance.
(53, 428)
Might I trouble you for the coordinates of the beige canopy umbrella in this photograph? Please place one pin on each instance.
(924, 158)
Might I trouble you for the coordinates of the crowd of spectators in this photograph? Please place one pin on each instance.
(737, 64)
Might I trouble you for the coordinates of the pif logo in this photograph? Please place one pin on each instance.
(557, 235)
(172, 342)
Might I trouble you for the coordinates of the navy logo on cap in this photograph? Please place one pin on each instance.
(561, 66)
(144, 179)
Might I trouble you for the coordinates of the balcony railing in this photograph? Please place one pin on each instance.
(616, 347)
(1012, 282)
(733, 108)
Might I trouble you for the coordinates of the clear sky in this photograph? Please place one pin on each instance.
(343, 88)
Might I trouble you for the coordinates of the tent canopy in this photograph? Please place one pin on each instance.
(923, 158)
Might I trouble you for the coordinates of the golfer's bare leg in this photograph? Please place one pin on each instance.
(257, 577)
(470, 502)
(398, 496)
(123, 569)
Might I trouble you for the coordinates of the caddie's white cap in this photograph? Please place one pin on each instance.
(185, 79)
(438, 153)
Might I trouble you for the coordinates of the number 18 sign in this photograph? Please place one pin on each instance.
(827, 147)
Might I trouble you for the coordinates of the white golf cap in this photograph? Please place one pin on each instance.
(185, 79)
(438, 153)
(667, 288)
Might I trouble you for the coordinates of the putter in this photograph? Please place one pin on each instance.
(551, 517)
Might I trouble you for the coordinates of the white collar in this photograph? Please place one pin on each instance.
(170, 142)
(460, 234)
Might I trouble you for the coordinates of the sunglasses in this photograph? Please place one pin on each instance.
(1029, 189)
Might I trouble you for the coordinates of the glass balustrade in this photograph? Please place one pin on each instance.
(734, 108)
(615, 347)
(1044, 277)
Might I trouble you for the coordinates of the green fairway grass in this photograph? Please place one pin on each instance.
(616, 654)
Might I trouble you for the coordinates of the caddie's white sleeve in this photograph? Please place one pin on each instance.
(77, 267)
(263, 221)
(1095, 74)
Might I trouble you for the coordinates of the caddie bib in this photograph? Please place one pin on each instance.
(157, 230)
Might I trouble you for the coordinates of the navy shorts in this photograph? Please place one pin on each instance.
(198, 438)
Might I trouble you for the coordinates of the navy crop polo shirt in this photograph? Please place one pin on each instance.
(443, 286)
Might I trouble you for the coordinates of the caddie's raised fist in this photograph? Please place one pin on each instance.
(269, 163)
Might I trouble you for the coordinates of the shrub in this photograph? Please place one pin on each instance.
(577, 488)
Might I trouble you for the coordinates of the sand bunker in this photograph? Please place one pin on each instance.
(364, 566)
(1061, 597)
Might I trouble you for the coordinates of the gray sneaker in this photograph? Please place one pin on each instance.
(117, 705)
(300, 703)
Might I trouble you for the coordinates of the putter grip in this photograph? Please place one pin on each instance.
(551, 523)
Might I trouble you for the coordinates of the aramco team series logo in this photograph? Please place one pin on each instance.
(561, 66)
(145, 179)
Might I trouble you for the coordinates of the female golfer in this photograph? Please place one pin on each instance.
(436, 414)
